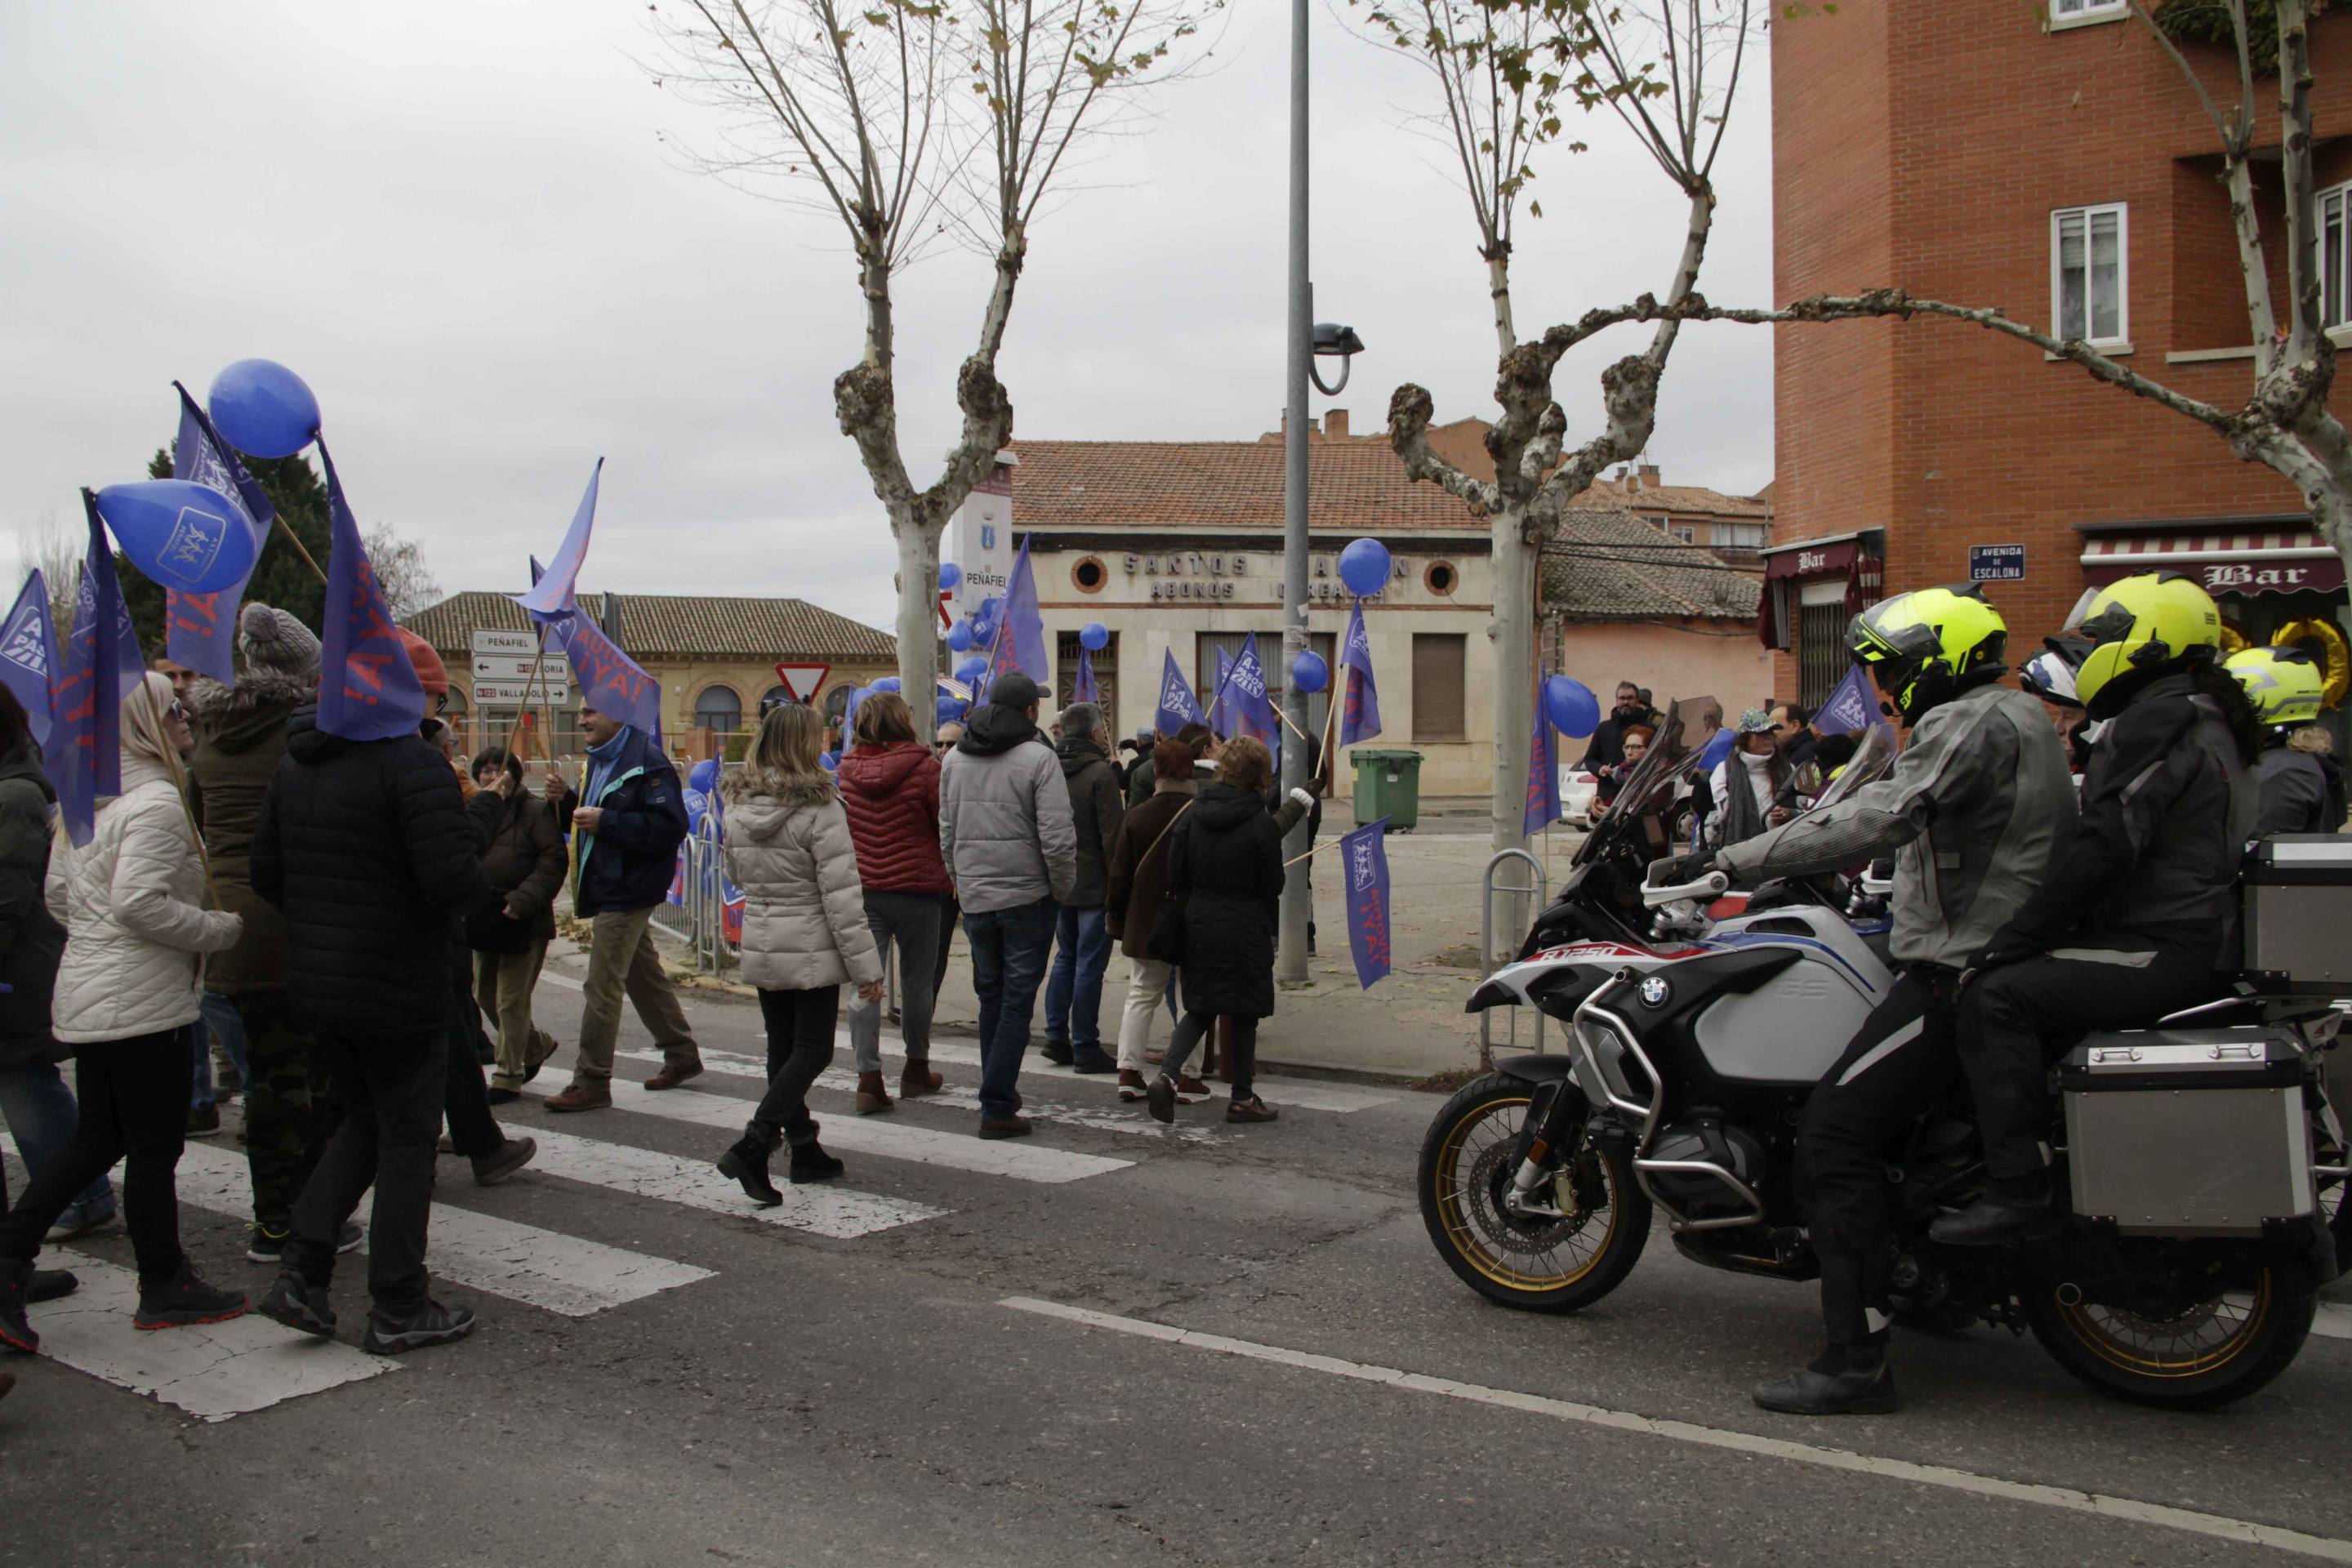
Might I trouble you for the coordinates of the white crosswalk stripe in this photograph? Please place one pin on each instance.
(825, 1210)
(1135, 1122)
(213, 1372)
(1022, 1161)
(565, 1274)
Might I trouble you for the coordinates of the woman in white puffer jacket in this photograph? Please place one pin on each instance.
(129, 987)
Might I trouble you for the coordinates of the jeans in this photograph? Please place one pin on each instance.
(623, 959)
(287, 1115)
(134, 1109)
(39, 1109)
(391, 1091)
(1188, 1034)
(216, 1024)
(800, 1046)
(1146, 992)
(1073, 992)
(912, 921)
(1008, 963)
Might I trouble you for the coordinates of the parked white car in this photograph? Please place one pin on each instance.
(1578, 790)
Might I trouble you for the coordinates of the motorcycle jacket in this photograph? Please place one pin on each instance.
(2291, 789)
(2168, 807)
(1972, 812)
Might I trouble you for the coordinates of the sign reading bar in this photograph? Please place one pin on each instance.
(1996, 562)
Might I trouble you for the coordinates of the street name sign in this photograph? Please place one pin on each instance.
(1996, 562)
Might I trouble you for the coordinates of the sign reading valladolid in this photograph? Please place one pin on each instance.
(983, 537)
(502, 666)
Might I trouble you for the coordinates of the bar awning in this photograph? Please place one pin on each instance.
(1854, 556)
(2243, 556)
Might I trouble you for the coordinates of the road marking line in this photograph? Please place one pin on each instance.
(729, 1064)
(2101, 1505)
(836, 1212)
(2333, 1322)
(565, 1274)
(213, 1372)
(923, 1145)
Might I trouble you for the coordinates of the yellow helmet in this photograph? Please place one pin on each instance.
(2283, 683)
(2140, 623)
(1923, 642)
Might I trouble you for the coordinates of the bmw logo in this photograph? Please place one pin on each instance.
(1656, 992)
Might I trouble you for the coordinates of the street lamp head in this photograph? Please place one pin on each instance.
(1333, 341)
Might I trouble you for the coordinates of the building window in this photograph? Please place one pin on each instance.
(2334, 218)
(1089, 575)
(1104, 662)
(1441, 577)
(718, 708)
(774, 697)
(2063, 11)
(1437, 703)
(2089, 274)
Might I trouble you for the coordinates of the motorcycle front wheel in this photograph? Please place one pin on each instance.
(1558, 1265)
(2209, 1354)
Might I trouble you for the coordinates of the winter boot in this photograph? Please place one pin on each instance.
(918, 1079)
(812, 1163)
(871, 1096)
(746, 1160)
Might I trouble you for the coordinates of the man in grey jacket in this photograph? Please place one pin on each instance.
(1006, 835)
(1972, 813)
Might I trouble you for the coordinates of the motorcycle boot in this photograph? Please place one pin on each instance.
(1848, 1379)
(2007, 1211)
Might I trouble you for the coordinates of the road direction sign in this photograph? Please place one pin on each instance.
(491, 640)
(803, 680)
(516, 667)
(516, 693)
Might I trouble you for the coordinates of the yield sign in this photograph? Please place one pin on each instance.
(803, 680)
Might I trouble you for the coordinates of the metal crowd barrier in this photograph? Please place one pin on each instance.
(699, 918)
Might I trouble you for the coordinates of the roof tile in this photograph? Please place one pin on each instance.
(665, 626)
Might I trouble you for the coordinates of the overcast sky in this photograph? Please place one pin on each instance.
(460, 223)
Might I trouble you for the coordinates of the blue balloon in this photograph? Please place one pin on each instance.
(262, 408)
(704, 775)
(697, 803)
(983, 630)
(182, 534)
(1718, 749)
(991, 606)
(1364, 567)
(1308, 672)
(952, 709)
(950, 575)
(1575, 711)
(1094, 636)
(972, 669)
(960, 636)
(888, 683)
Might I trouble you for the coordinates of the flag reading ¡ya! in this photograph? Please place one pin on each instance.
(1020, 628)
(1359, 716)
(97, 670)
(550, 596)
(1364, 862)
(368, 690)
(1543, 777)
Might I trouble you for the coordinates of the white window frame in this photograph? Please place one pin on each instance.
(2089, 213)
(2336, 272)
(2065, 13)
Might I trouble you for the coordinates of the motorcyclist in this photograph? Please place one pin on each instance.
(2285, 686)
(1971, 812)
(2139, 915)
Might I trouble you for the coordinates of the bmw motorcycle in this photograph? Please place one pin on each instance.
(2204, 1164)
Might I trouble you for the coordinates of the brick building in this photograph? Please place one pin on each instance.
(2052, 162)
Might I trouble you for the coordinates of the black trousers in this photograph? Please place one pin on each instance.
(135, 1108)
(390, 1089)
(800, 1046)
(473, 1130)
(1903, 1058)
(949, 912)
(2013, 1021)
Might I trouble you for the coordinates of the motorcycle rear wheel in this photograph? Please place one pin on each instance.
(2217, 1351)
(1561, 1268)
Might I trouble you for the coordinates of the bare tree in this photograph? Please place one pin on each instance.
(44, 547)
(408, 583)
(1505, 70)
(911, 122)
(2284, 423)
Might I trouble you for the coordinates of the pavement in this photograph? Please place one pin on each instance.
(1113, 1343)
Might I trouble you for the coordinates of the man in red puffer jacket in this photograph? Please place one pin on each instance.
(889, 786)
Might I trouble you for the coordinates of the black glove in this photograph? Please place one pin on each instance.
(1685, 868)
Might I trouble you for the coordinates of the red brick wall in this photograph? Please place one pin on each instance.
(1930, 141)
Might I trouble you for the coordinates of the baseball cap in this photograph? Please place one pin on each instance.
(1014, 689)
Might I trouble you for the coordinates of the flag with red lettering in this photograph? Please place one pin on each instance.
(1543, 775)
(99, 666)
(367, 688)
(1364, 862)
(1359, 716)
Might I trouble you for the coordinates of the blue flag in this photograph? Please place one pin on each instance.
(1851, 708)
(1220, 721)
(1178, 706)
(1021, 629)
(367, 688)
(28, 654)
(100, 664)
(1364, 858)
(1251, 709)
(200, 629)
(549, 598)
(550, 633)
(1359, 717)
(609, 681)
(1082, 690)
(1543, 777)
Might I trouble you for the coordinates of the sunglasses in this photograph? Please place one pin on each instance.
(177, 710)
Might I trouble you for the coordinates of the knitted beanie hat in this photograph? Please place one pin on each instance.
(274, 643)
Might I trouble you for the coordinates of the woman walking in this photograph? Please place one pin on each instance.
(525, 861)
(1139, 886)
(127, 991)
(1224, 866)
(890, 790)
(804, 934)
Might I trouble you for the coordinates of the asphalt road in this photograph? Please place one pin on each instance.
(898, 1378)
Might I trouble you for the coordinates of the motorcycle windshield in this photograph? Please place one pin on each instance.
(1643, 789)
(1873, 760)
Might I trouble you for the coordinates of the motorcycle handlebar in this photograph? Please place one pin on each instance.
(1714, 885)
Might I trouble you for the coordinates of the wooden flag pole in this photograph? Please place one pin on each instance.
(295, 539)
(530, 681)
(1318, 848)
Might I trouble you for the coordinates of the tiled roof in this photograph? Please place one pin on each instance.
(1612, 566)
(689, 625)
(1683, 499)
(1158, 485)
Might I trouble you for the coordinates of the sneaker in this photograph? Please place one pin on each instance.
(1092, 1059)
(431, 1324)
(204, 1120)
(1191, 1090)
(1251, 1110)
(1055, 1051)
(77, 1221)
(512, 1156)
(675, 1072)
(580, 1097)
(299, 1305)
(498, 1096)
(1004, 1127)
(268, 1242)
(185, 1302)
(15, 1329)
(1130, 1084)
(1163, 1095)
(48, 1284)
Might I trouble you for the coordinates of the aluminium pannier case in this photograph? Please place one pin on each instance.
(2297, 889)
(2188, 1132)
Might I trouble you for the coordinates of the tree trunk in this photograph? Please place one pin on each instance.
(918, 624)
(1512, 632)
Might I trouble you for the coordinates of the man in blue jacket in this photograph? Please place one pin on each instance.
(625, 832)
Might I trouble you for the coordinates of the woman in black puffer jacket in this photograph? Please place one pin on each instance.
(525, 863)
(1225, 863)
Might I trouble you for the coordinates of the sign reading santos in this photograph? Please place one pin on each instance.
(1224, 575)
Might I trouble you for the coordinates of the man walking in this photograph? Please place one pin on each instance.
(1082, 942)
(1006, 836)
(629, 823)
